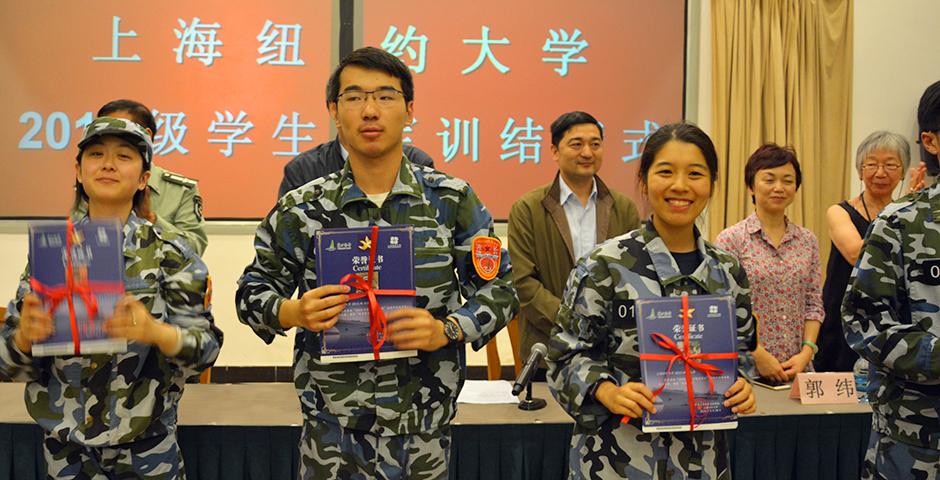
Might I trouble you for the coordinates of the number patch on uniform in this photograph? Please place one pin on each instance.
(623, 314)
(931, 272)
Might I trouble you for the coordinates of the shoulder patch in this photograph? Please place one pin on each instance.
(197, 207)
(178, 179)
(486, 256)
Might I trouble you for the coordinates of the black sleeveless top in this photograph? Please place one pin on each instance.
(835, 355)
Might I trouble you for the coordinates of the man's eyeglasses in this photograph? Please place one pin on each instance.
(889, 167)
(384, 97)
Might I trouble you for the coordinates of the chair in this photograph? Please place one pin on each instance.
(493, 366)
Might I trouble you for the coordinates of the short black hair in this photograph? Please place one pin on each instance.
(928, 111)
(566, 121)
(371, 58)
(683, 132)
(139, 112)
(767, 156)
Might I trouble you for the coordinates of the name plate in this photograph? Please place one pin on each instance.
(824, 388)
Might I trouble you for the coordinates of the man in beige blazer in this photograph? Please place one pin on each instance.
(554, 225)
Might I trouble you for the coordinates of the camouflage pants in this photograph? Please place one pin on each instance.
(889, 459)
(329, 451)
(624, 451)
(156, 458)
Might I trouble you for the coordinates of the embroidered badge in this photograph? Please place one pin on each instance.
(486, 256)
(197, 207)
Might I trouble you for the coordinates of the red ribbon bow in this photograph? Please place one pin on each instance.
(688, 360)
(378, 324)
(84, 288)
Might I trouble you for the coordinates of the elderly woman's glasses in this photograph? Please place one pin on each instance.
(889, 167)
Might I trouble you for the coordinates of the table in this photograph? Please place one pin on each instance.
(234, 431)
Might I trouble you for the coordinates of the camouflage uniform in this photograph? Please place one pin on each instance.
(589, 345)
(177, 204)
(411, 397)
(117, 413)
(891, 315)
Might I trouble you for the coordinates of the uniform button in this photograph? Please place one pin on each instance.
(94, 365)
(89, 420)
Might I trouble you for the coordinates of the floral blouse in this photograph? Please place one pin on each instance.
(785, 281)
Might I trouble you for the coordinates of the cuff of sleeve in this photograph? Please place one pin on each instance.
(17, 356)
(465, 321)
(185, 343)
(592, 412)
(272, 320)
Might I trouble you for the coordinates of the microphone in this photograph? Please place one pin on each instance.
(525, 376)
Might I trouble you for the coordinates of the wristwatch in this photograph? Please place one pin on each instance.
(451, 331)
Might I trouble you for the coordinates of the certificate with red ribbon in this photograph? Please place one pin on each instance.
(689, 359)
(378, 263)
(78, 272)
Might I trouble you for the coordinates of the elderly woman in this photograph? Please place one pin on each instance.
(781, 259)
(881, 160)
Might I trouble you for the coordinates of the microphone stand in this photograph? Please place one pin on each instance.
(531, 403)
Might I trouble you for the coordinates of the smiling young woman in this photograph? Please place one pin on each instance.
(108, 415)
(593, 365)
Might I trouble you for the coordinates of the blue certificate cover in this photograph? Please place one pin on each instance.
(346, 250)
(712, 329)
(97, 256)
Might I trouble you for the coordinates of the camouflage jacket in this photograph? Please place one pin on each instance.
(388, 397)
(106, 400)
(891, 317)
(589, 344)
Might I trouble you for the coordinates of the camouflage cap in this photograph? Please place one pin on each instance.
(120, 127)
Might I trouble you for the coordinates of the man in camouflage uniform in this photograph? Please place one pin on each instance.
(114, 416)
(890, 315)
(389, 418)
(595, 341)
(171, 201)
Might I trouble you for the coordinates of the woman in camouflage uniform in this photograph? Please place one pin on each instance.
(594, 367)
(114, 416)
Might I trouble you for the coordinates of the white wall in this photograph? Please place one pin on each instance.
(897, 55)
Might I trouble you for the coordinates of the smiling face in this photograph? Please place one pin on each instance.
(774, 188)
(111, 171)
(881, 172)
(370, 130)
(678, 186)
(580, 153)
